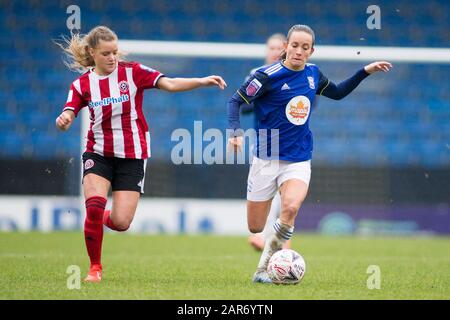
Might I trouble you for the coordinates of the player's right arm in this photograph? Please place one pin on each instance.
(74, 104)
(254, 87)
(64, 120)
(244, 107)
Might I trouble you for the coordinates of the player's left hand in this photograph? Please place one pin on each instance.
(378, 66)
(214, 81)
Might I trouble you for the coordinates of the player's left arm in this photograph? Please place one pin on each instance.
(147, 78)
(334, 91)
(185, 84)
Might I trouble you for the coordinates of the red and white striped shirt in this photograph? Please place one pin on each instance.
(118, 127)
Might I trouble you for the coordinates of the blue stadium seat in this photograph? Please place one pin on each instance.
(393, 118)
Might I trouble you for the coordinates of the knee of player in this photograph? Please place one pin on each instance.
(122, 224)
(255, 229)
(290, 209)
(123, 228)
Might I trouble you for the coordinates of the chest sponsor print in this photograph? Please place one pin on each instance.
(298, 109)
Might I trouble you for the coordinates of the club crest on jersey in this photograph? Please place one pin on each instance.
(123, 86)
(311, 82)
(297, 110)
(253, 88)
(88, 164)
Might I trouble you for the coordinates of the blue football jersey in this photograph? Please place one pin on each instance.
(282, 101)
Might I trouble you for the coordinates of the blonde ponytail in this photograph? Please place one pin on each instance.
(77, 47)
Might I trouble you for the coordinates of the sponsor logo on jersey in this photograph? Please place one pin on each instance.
(108, 101)
(89, 164)
(311, 82)
(297, 110)
(123, 86)
(253, 88)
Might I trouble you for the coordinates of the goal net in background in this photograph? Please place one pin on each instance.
(393, 125)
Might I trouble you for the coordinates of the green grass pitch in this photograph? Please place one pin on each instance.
(181, 267)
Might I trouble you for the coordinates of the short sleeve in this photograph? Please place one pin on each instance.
(145, 77)
(75, 101)
(252, 72)
(256, 85)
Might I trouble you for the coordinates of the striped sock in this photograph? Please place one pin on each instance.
(281, 233)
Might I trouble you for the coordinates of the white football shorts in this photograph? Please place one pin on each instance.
(266, 176)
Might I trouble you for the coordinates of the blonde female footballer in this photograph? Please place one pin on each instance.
(118, 140)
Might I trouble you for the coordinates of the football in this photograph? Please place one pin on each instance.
(286, 267)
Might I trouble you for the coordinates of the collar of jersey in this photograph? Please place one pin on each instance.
(96, 75)
(282, 63)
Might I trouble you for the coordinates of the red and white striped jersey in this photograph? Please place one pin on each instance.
(118, 127)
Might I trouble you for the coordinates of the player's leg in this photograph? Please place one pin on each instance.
(123, 210)
(261, 188)
(274, 214)
(257, 240)
(95, 191)
(257, 212)
(294, 183)
(293, 193)
(97, 173)
(128, 184)
(293, 180)
(256, 216)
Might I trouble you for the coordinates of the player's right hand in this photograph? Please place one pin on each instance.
(214, 81)
(235, 143)
(64, 120)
